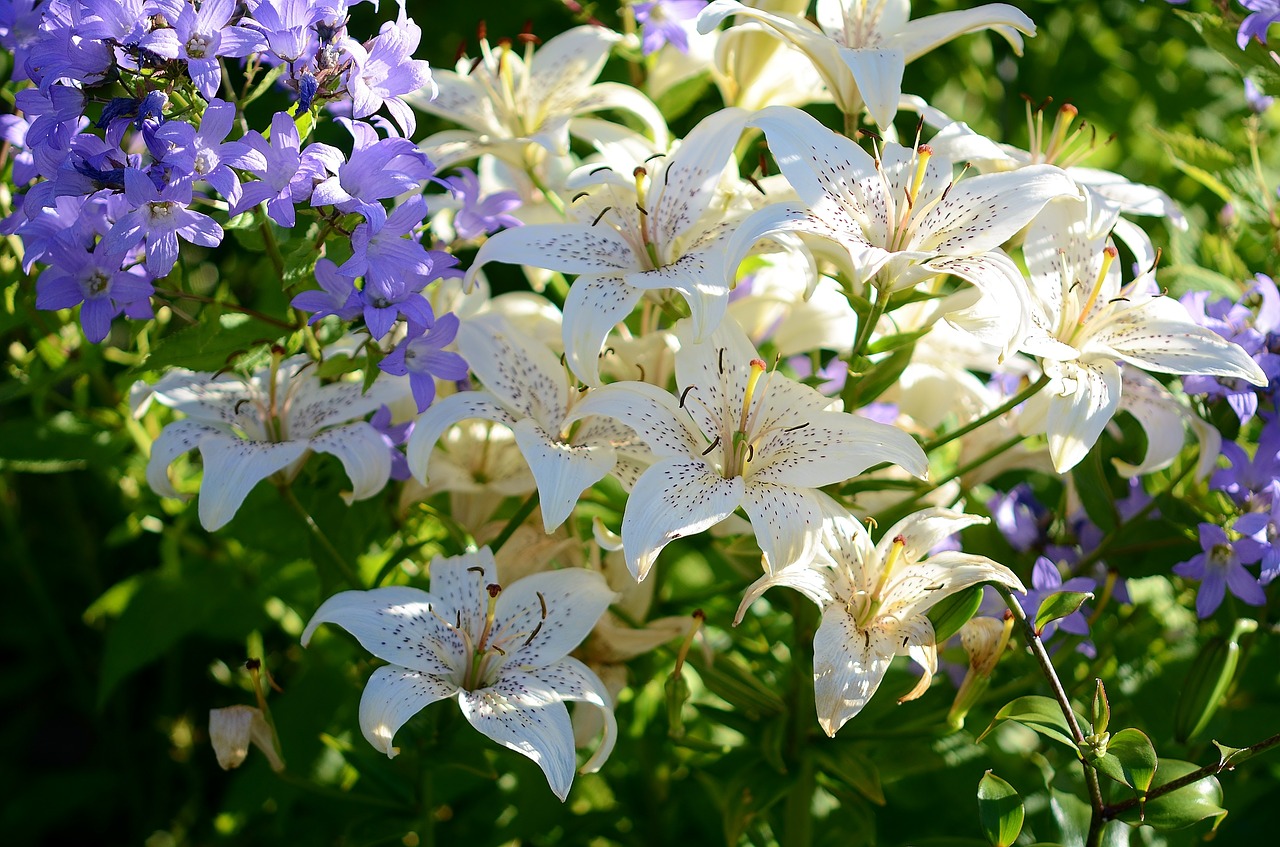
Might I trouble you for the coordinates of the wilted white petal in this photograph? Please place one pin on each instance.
(233, 728)
(392, 696)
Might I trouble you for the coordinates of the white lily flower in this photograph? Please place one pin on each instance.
(528, 390)
(249, 429)
(775, 302)
(508, 103)
(874, 600)
(753, 68)
(650, 230)
(1085, 324)
(860, 47)
(1165, 420)
(903, 219)
(737, 437)
(502, 651)
(1109, 194)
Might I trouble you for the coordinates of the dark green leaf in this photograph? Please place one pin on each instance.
(1041, 714)
(999, 810)
(1177, 809)
(1094, 490)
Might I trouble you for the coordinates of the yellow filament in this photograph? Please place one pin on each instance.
(1061, 124)
(1108, 256)
(757, 369)
(924, 154)
(895, 553)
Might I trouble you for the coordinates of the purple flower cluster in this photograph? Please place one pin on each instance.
(1253, 322)
(124, 150)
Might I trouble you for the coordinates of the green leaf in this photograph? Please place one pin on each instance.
(954, 612)
(726, 677)
(999, 810)
(1095, 492)
(893, 342)
(1130, 759)
(1177, 809)
(876, 379)
(682, 96)
(1058, 605)
(843, 762)
(1041, 714)
(212, 343)
(61, 443)
(750, 793)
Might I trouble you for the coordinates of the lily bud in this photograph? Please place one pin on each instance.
(984, 640)
(233, 728)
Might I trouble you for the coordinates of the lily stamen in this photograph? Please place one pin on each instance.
(1109, 254)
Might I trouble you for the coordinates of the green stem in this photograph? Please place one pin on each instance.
(344, 567)
(1012, 403)
(869, 325)
(269, 239)
(526, 509)
(1096, 821)
(934, 485)
(244, 310)
(1116, 809)
(798, 830)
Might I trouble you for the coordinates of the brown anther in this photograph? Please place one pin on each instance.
(924, 150)
(461, 51)
(494, 589)
(253, 664)
(542, 601)
(504, 42)
(526, 35)
(1111, 251)
(898, 539)
(1068, 109)
(700, 615)
(684, 394)
(713, 445)
(477, 569)
(603, 212)
(639, 171)
(277, 350)
(482, 30)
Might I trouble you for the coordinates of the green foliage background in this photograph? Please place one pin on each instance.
(122, 622)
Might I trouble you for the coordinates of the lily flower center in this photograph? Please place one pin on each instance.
(903, 222)
(869, 610)
(486, 653)
(1109, 254)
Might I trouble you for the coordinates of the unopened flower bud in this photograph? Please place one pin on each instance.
(233, 728)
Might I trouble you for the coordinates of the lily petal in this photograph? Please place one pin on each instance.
(673, 498)
(232, 467)
(545, 615)
(574, 681)
(523, 713)
(444, 413)
(848, 666)
(392, 696)
(878, 74)
(562, 471)
(399, 624)
(364, 456)
(594, 305)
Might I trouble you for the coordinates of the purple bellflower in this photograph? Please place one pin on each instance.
(338, 295)
(1264, 14)
(199, 37)
(94, 278)
(1221, 566)
(386, 70)
(378, 169)
(159, 217)
(421, 355)
(660, 23)
(478, 216)
(1045, 581)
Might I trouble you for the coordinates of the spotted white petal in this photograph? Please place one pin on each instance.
(392, 696)
(364, 456)
(829, 447)
(524, 713)
(812, 582)
(683, 190)
(848, 666)
(787, 522)
(675, 497)
(175, 439)
(570, 248)
(816, 161)
(541, 617)
(922, 531)
(562, 471)
(444, 413)
(232, 467)
(595, 304)
(918, 641)
(654, 414)
(575, 682)
(400, 625)
(459, 588)
(1159, 335)
(919, 586)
